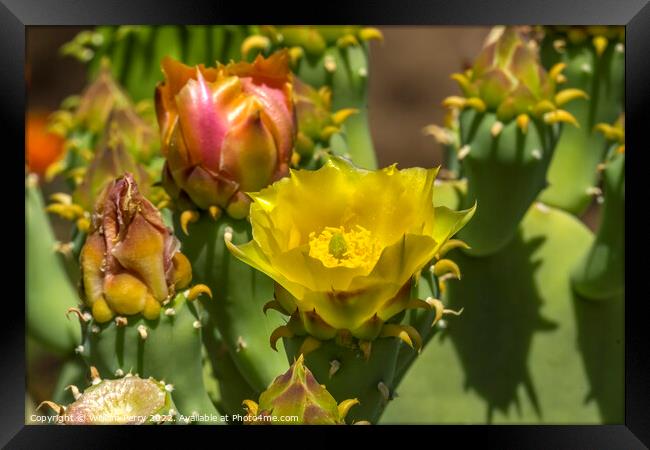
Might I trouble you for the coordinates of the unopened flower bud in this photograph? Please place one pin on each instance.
(130, 262)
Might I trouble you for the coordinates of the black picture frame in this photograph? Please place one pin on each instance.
(16, 15)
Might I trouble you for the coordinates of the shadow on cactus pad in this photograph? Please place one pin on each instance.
(494, 337)
(527, 349)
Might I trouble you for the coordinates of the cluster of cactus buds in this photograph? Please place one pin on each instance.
(225, 131)
(297, 398)
(105, 137)
(507, 79)
(130, 262)
(307, 41)
(316, 122)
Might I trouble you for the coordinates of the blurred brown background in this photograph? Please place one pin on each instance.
(409, 77)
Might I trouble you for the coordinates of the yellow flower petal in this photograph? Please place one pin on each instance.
(343, 243)
(251, 254)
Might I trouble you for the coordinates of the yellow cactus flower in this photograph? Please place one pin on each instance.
(343, 245)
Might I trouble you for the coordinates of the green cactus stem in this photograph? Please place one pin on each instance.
(601, 273)
(421, 319)
(240, 293)
(595, 63)
(347, 373)
(140, 346)
(509, 123)
(49, 291)
(520, 159)
(319, 128)
(232, 388)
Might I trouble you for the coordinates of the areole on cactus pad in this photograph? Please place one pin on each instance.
(316, 122)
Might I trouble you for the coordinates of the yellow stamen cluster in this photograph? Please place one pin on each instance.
(336, 247)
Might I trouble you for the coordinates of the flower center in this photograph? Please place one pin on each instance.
(336, 247)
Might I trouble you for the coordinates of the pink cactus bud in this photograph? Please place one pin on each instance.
(225, 130)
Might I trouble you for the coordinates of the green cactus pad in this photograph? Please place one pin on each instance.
(579, 150)
(518, 159)
(168, 349)
(49, 291)
(601, 273)
(220, 369)
(345, 71)
(240, 292)
(526, 349)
